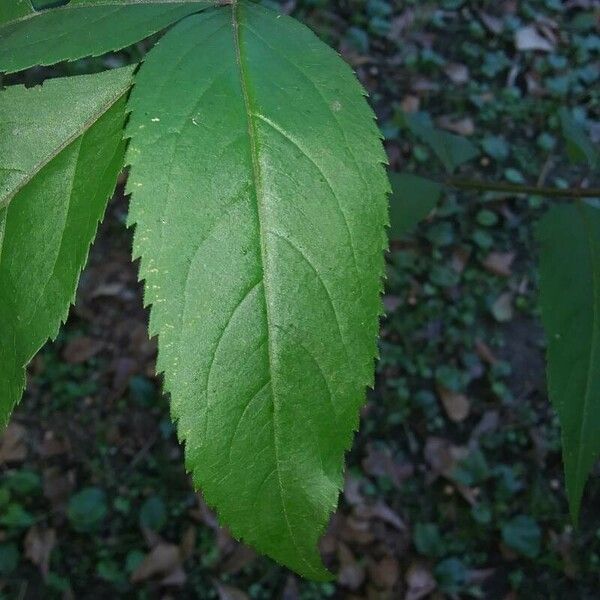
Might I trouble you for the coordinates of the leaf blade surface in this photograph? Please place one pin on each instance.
(46, 229)
(261, 245)
(82, 28)
(569, 237)
(38, 123)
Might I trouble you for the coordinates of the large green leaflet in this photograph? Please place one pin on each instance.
(37, 124)
(54, 208)
(259, 200)
(81, 28)
(569, 236)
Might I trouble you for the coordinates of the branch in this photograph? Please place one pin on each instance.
(515, 188)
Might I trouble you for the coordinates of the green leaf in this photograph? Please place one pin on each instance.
(61, 150)
(452, 150)
(9, 558)
(413, 199)
(87, 509)
(451, 575)
(496, 146)
(24, 483)
(579, 146)
(37, 124)
(428, 540)
(259, 200)
(82, 28)
(153, 514)
(523, 535)
(14, 515)
(569, 237)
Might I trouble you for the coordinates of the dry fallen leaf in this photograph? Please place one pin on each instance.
(442, 456)
(400, 24)
(379, 463)
(410, 104)
(187, 545)
(380, 510)
(424, 85)
(176, 578)
(499, 263)
(351, 573)
(291, 590)
(460, 258)
(53, 445)
(241, 557)
(391, 303)
(352, 493)
(485, 352)
(12, 444)
(385, 573)
(456, 405)
(494, 24)
(419, 581)
(356, 531)
(163, 559)
(457, 73)
(529, 38)
(489, 422)
(81, 349)
(204, 514)
(502, 309)
(108, 290)
(464, 126)
(57, 486)
(39, 543)
(228, 592)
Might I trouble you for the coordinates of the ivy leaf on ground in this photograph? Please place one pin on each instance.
(452, 150)
(413, 198)
(523, 535)
(579, 146)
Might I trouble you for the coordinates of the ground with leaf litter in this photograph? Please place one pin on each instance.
(454, 485)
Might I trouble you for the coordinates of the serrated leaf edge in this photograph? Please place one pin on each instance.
(383, 162)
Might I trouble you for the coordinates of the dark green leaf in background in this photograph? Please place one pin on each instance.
(569, 237)
(579, 146)
(413, 198)
(87, 509)
(523, 535)
(452, 150)
(153, 514)
(9, 558)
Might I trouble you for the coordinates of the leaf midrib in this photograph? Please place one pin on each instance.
(104, 108)
(257, 178)
(107, 3)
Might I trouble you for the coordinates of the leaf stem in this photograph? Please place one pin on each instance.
(515, 188)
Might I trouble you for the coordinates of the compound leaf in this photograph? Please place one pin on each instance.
(81, 28)
(259, 200)
(55, 206)
(569, 238)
